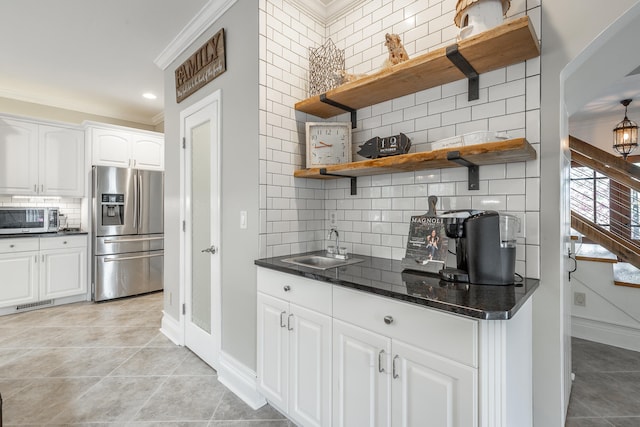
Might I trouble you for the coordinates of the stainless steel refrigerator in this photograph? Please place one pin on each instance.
(128, 232)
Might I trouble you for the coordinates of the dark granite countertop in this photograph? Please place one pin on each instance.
(57, 234)
(386, 277)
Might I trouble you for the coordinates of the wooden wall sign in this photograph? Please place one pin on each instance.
(201, 67)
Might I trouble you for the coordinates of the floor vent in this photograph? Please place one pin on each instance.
(34, 304)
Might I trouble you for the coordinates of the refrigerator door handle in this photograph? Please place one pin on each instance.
(136, 202)
(126, 258)
(139, 201)
(141, 239)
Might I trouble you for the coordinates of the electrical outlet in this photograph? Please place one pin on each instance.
(521, 231)
(580, 299)
(333, 219)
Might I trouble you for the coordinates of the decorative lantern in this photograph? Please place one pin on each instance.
(625, 134)
(475, 16)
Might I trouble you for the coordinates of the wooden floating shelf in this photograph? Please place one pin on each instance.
(508, 151)
(512, 42)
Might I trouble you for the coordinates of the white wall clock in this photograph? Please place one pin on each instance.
(328, 143)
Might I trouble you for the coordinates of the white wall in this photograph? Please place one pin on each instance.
(375, 222)
(567, 28)
(611, 314)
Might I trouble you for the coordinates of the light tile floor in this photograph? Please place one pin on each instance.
(108, 365)
(606, 391)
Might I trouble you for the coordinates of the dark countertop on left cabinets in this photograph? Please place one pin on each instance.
(57, 234)
(386, 277)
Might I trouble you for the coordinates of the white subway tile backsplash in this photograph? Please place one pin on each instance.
(532, 228)
(533, 90)
(293, 215)
(516, 203)
(489, 202)
(507, 186)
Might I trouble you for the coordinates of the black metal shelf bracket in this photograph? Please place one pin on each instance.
(473, 169)
(354, 114)
(354, 180)
(467, 69)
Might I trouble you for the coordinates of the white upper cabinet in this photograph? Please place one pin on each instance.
(18, 157)
(127, 148)
(62, 164)
(41, 159)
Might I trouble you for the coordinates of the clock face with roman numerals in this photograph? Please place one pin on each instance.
(328, 143)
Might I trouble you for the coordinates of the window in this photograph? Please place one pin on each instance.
(605, 202)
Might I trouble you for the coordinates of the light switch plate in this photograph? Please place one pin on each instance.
(243, 220)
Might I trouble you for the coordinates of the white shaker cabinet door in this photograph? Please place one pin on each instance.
(361, 377)
(63, 273)
(19, 273)
(309, 367)
(61, 161)
(110, 148)
(147, 152)
(18, 157)
(431, 390)
(273, 349)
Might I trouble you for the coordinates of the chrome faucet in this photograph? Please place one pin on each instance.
(337, 252)
(334, 230)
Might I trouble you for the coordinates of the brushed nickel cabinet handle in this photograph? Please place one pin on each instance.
(395, 373)
(380, 367)
(282, 325)
(287, 288)
(289, 328)
(388, 320)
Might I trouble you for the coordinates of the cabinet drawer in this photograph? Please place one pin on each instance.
(448, 335)
(63, 242)
(308, 293)
(20, 244)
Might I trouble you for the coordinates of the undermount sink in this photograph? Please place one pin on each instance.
(320, 262)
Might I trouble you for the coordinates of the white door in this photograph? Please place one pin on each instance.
(201, 133)
(361, 377)
(309, 367)
(430, 387)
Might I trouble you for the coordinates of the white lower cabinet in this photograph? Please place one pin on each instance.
(294, 347)
(63, 271)
(379, 381)
(35, 269)
(330, 355)
(19, 272)
(361, 380)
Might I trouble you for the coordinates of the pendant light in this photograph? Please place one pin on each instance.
(625, 134)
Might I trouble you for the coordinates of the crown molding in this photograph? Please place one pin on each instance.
(209, 14)
(326, 13)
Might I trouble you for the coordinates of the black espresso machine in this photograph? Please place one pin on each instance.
(485, 247)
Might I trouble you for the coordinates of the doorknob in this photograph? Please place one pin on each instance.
(211, 249)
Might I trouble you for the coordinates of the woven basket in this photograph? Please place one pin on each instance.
(461, 5)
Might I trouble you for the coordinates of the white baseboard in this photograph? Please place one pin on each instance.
(240, 380)
(606, 333)
(170, 327)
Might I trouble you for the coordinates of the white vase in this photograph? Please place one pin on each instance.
(480, 16)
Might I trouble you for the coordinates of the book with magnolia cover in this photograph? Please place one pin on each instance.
(427, 244)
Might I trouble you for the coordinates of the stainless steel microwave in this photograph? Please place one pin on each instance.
(28, 220)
